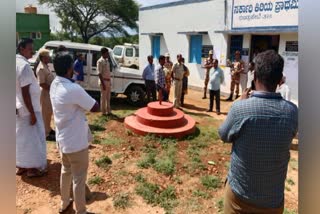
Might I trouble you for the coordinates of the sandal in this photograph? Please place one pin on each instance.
(21, 171)
(34, 173)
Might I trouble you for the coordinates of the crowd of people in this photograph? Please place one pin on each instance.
(39, 95)
(173, 73)
(260, 126)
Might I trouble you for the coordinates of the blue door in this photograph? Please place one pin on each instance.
(195, 49)
(156, 46)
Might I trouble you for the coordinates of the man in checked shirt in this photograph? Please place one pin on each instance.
(160, 80)
(261, 128)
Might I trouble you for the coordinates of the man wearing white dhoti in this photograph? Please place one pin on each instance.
(30, 132)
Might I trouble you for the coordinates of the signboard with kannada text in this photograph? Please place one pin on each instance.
(264, 13)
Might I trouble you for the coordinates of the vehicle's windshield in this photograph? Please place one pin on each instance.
(117, 51)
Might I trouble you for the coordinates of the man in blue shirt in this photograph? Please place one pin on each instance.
(78, 69)
(148, 76)
(261, 128)
(215, 80)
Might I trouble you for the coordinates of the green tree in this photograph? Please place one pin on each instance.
(89, 18)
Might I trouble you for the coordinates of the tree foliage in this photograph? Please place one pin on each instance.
(90, 18)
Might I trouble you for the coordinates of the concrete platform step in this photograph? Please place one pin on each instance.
(133, 124)
(174, 120)
(165, 109)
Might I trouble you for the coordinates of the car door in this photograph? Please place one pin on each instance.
(129, 56)
(94, 76)
(117, 77)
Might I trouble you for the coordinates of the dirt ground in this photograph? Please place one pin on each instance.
(122, 178)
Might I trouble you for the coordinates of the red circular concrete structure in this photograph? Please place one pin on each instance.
(161, 120)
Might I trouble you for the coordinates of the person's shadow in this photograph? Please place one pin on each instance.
(50, 181)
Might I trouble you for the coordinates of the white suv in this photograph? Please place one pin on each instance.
(123, 80)
(127, 55)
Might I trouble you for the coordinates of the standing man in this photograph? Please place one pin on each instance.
(45, 78)
(160, 80)
(184, 82)
(149, 78)
(70, 102)
(216, 79)
(104, 69)
(177, 74)
(284, 89)
(208, 65)
(237, 67)
(78, 69)
(167, 69)
(30, 132)
(261, 129)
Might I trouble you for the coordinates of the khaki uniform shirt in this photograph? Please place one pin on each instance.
(178, 71)
(103, 66)
(44, 75)
(236, 69)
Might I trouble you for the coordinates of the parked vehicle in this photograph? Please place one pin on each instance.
(123, 80)
(127, 55)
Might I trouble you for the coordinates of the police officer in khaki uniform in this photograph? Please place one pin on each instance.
(104, 69)
(177, 74)
(45, 78)
(237, 67)
(167, 67)
(208, 65)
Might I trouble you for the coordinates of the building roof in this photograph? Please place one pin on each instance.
(171, 4)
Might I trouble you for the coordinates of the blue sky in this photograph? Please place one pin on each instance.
(54, 21)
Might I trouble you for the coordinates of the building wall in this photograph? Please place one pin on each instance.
(202, 16)
(28, 23)
(199, 16)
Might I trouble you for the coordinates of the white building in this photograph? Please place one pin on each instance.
(193, 27)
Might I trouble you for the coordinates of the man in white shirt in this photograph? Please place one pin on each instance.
(30, 132)
(284, 89)
(70, 102)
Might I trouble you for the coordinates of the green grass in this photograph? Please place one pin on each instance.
(113, 140)
(99, 123)
(290, 182)
(206, 134)
(147, 161)
(165, 163)
(165, 166)
(152, 194)
(116, 156)
(220, 205)
(96, 180)
(194, 151)
(193, 206)
(121, 200)
(122, 173)
(177, 179)
(286, 211)
(210, 182)
(140, 178)
(96, 140)
(201, 194)
(103, 162)
(124, 113)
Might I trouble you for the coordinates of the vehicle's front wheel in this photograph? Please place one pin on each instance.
(136, 95)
